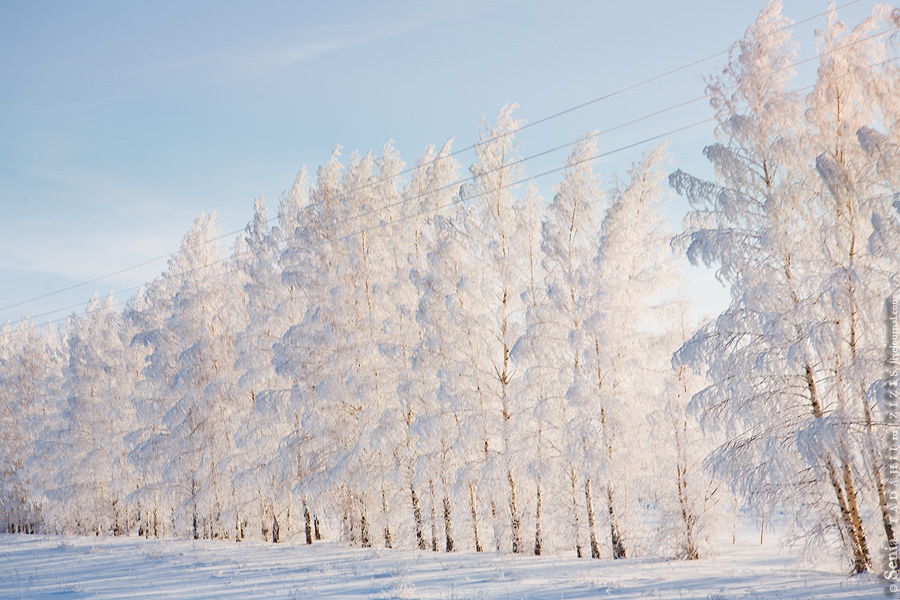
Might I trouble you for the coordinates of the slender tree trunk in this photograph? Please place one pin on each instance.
(859, 561)
(417, 518)
(364, 540)
(195, 518)
(474, 506)
(592, 530)
(116, 528)
(308, 519)
(872, 454)
(618, 544)
(575, 520)
(537, 522)
(734, 522)
(618, 541)
(875, 468)
(686, 516)
(316, 528)
(388, 539)
(434, 543)
(276, 528)
(348, 529)
(852, 525)
(448, 529)
(514, 514)
(496, 521)
(762, 528)
(853, 505)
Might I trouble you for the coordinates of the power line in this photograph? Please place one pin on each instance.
(454, 153)
(471, 178)
(511, 184)
(585, 104)
(667, 73)
(458, 200)
(593, 134)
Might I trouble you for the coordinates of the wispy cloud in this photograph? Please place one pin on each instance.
(254, 59)
(276, 59)
(322, 41)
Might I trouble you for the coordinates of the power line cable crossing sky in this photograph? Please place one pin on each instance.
(460, 198)
(115, 146)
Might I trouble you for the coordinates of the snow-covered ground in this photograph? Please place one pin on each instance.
(58, 567)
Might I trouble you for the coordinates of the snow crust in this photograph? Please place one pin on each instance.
(57, 567)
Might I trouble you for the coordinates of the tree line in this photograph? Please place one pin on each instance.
(406, 357)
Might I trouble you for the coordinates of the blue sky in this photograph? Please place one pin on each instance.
(121, 121)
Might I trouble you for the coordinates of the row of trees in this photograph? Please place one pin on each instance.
(407, 357)
(456, 374)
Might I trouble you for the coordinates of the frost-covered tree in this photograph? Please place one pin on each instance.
(32, 369)
(536, 453)
(633, 276)
(553, 345)
(689, 498)
(191, 317)
(301, 356)
(92, 475)
(856, 281)
(422, 442)
(785, 223)
(495, 286)
(263, 476)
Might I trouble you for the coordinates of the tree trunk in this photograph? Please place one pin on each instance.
(852, 525)
(734, 522)
(875, 468)
(686, 516)
(514, 514)
(348, 530)
(194, 488)
(417, 518)
(762, 528)
(874, 465)
(448, 530)
(853, 506)
(592, 531)
(308, 519)
(364, 540)
(388, 539)
(496, 523)
(276, 528)
(618, 541)
(575, 520)
(434, 544)
(688, 519)
(116, 528)
(537, 523)
(474, 517)
(859, 561)
(290, 519)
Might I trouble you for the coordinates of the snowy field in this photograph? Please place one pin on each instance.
(58, 567)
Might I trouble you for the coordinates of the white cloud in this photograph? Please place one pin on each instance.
(275, 59)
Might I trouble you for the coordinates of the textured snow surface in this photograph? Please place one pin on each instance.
(58, 567)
